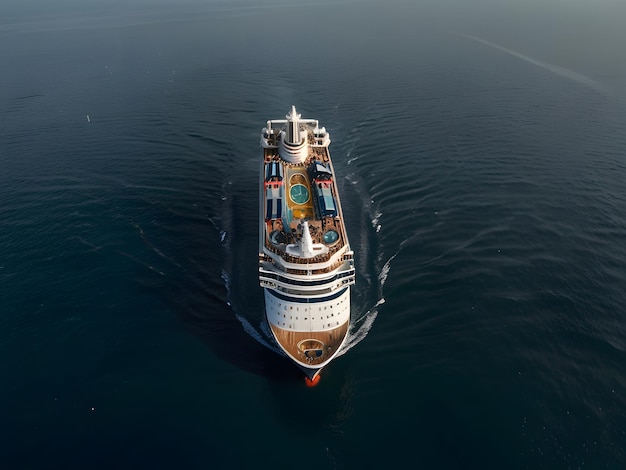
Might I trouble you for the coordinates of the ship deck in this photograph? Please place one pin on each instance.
(297, 210)
(291, 340)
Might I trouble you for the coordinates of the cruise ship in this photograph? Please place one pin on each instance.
(306, 266)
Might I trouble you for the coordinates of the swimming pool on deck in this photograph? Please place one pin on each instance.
(299, 195)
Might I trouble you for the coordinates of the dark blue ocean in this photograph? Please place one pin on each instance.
(480, 149)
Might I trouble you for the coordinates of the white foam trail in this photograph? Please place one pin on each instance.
(376, 218)
(352, 147)
(351, 179)
(226, 280)
(248, 328)
(555, 69)
(384, 272)
(375, 221)
(358, 335)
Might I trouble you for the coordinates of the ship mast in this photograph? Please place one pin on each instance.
(293, 127)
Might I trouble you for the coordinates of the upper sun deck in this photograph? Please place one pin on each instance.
(301, 209)
(302, 221)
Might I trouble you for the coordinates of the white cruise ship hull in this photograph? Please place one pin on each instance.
(306, 266)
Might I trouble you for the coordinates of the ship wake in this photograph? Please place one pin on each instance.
(244, 297)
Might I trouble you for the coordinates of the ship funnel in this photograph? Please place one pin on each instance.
(293, 127)
(306, 242)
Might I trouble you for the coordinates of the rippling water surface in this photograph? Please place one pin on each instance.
(483, 195)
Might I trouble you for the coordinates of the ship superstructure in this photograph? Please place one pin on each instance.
(306, 265)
